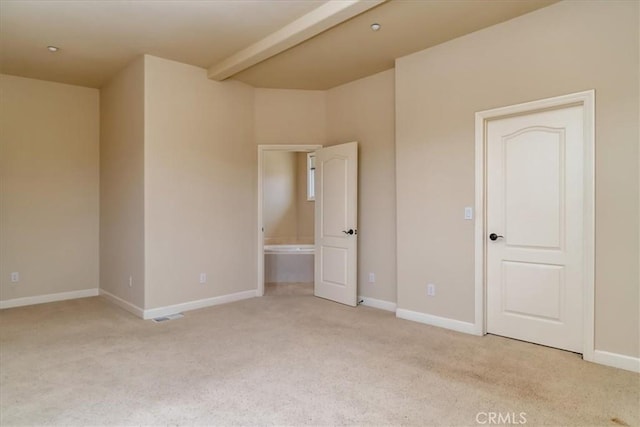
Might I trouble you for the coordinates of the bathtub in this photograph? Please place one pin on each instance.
(289, 249)
(288, 263)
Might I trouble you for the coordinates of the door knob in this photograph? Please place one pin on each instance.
(494, 236)
(350, 231)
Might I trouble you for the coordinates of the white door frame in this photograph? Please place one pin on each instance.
(260, 229)
(587, 100)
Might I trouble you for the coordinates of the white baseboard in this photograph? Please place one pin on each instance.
(41, 299)
(441, 322)
(194, 305)
(616, 360)
(378, 303)
(126, 305)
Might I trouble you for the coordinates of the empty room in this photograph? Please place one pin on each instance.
(320, 212)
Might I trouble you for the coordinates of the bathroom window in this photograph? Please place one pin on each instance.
(311, 176)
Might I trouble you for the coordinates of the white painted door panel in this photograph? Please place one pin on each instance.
(535, 201)
(336, 191)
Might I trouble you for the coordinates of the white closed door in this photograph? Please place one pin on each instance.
(336, 246)
(535, 237)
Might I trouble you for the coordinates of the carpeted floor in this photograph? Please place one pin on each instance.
(288, 359)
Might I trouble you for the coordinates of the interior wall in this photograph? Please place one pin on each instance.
(289, 116)
(564, 48)
(200, 174)
(287, 214)
(305, 209)
(49, 135)
(122, 184)
(280, 213)
(364, 111)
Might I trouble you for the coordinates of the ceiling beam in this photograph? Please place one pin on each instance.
(327, 15)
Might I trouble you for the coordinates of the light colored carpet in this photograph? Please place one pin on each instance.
(287, 359)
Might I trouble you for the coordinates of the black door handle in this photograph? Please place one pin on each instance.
(494, 236)
(350, 232)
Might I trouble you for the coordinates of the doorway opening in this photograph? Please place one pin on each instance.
(285, 218)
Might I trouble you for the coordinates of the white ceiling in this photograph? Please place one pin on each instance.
(99, 37)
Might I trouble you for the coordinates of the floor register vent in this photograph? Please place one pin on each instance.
(169, 317)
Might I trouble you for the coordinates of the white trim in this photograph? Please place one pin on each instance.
(480, 302)
(587, 100)
(125, 305)
(259, 230)
(616, 360)
(589, 219)
(194, 305)
(441, 322)
(377, 303)
(42, 299)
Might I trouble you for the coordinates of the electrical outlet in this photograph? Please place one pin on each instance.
(130, 281)
(203, 277)
(15, 277)
(372, 277)
(431, 290)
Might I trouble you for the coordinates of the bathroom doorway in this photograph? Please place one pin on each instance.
(285, 217)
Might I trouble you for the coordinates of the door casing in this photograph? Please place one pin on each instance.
(587, 100)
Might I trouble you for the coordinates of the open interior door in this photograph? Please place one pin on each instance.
(336, 215)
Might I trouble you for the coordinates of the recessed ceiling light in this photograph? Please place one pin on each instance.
(375, 26)
(53, 48)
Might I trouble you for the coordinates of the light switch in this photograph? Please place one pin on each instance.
(468, 212)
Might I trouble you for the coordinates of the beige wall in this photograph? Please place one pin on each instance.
(305, 208)
(285, 116)
(363, 111)
(280, 197)
(200, 192)
(122, 184)
(48, 187)
(287, 214)
(564, 48)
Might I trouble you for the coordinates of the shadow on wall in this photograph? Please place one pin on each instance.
(288, 215)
